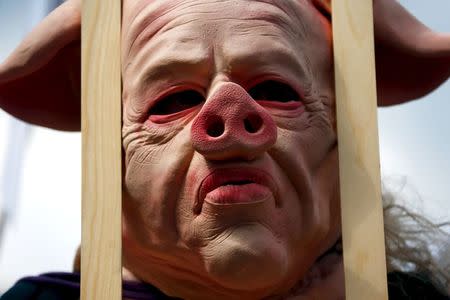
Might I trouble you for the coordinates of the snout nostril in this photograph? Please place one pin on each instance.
(253, 123)
(215, 127)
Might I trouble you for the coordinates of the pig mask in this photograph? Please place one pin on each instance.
(230, 152)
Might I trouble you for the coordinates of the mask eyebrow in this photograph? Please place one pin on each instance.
(268, 62)
(177, 69)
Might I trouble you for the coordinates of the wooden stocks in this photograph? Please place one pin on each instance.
(362, 216)
(359, 165)
(101, 248)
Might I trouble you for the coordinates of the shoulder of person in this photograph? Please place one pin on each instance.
(413, 286)
(45, 287)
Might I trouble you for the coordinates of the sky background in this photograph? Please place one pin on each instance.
(45, 231)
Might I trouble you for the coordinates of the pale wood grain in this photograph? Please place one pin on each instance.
(361, 206)
(101, 127)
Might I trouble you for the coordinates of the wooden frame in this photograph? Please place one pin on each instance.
(359, 159)
(101, 247)
(362, 216)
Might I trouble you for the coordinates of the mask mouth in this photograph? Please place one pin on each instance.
(233, 178)
(238, 182)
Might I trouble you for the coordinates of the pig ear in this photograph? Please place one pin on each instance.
(40, 80)
(411, 59)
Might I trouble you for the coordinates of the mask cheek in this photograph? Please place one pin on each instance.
(153, 185)
(145, 198)
(308, 157)
(326, 198)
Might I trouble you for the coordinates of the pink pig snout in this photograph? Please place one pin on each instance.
(232, 125)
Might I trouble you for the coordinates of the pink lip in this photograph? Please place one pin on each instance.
(235, 186)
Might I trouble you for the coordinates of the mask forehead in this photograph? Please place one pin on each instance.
(143, 19)
(211, 32)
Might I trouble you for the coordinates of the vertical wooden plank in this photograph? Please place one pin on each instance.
(101, 128)
(356, 101)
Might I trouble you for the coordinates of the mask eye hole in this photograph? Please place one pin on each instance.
(271, 90)
(176, 102)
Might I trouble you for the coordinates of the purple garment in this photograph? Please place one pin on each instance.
(130, 289)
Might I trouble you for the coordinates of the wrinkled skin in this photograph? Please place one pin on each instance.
(229, 250)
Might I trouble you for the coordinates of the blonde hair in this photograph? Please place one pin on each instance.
(414, 243)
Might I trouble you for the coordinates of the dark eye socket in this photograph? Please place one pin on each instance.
(177, 102)
(271, 90)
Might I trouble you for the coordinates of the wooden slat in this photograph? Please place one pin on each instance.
(362, 216)
(101, 127)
